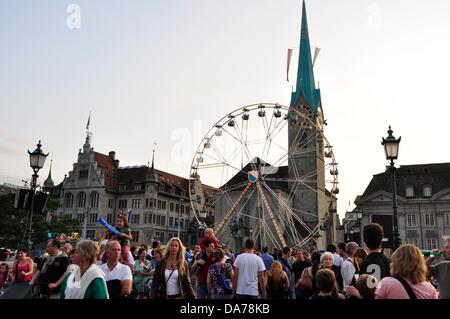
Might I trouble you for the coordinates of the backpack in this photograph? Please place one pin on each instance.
(225, 281)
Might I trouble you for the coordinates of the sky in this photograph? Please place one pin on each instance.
(164, 71)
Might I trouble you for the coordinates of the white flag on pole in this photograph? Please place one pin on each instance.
(316, 54)
(289, 56)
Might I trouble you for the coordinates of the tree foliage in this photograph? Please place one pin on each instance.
(13, 221)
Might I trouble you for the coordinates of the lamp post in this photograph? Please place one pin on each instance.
(391, 145)
(37, 160)
(86, 215)
(179, 216)
(359, 222)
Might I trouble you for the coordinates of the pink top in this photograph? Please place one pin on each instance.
(20, 268)
(3, 278)
(391, 288)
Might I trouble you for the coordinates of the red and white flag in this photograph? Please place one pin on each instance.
(289, 56)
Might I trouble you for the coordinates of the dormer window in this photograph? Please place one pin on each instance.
(409, 191)
(122, 187)
(427, 191)
(137, 187)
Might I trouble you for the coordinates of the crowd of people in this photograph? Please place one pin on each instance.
(111, 269)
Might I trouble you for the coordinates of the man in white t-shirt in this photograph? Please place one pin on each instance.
(118, 276)
(348, 270)
(248, 273)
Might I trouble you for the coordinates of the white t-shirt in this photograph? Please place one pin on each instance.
(120, 272)
(347, 272)
(337, 260)
(249, 266)
(172, 283)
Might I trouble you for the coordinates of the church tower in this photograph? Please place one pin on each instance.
(306, 160)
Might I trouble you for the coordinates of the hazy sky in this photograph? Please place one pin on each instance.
(166, 70)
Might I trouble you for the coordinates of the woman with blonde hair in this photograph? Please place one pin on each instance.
(277, 284)
(408, 277)
(172, 279)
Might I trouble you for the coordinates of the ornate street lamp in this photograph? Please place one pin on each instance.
(391, 145)
(37, 160)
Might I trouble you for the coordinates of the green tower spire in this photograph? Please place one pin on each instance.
(49, 182)
(152, 176)
(305, 75)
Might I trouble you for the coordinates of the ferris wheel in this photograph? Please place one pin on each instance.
(265, 171)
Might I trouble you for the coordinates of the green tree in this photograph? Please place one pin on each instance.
(13, 221)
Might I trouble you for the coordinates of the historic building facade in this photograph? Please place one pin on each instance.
(98, 187)
(423, 198)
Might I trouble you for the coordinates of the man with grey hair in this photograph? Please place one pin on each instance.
(118, 276)
(348, 270)
(441, 271)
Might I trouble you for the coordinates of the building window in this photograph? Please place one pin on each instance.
(427, 191)
(161, 188)
(432, 244)
(81, 202)
(83, 174)
(94, 199)
(150, 203)
(193, 240)
(109, 218)
(110, 203)
(409, 191)
(162, 205)
(447, 219)
(163, 220)
(135, 218)
(123, 203)
(158, 219)
(151, 188)
(135, 235)
(90, 234)
(136, 203)
(411, 220)
(170, 221)
(429, 220)
(122, 187)
(171, 207)
(412, 241)
(69, 200)
(137, 187)
(80, 218)
(93, 218)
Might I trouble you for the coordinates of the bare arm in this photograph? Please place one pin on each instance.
(35, 277)
(30, 267)
(235, 280)
(13, 272)
(262, 284)
(57, 283)
(126, 287)
(209, 283)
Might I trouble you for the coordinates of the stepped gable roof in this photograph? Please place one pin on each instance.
(436, 174)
